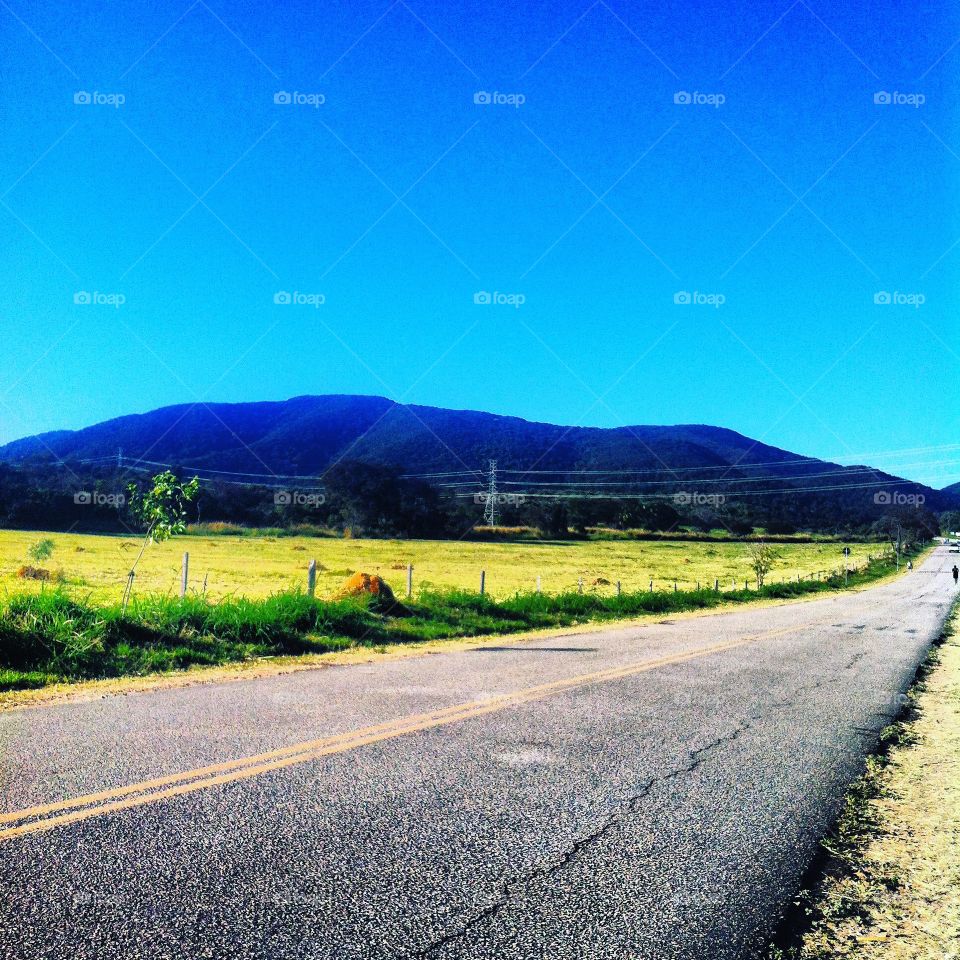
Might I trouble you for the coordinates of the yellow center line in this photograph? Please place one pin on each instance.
(202, 778)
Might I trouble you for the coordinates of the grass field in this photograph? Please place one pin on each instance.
(50, 637)
(94, 567)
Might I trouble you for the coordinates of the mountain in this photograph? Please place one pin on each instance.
(306, 435)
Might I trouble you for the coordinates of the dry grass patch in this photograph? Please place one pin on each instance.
(95, 567)
(892, 889)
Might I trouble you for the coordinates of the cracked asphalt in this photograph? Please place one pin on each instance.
(668, 813)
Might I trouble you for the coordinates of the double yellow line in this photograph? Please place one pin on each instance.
(50, 815)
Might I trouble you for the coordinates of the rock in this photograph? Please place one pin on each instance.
(383, 599)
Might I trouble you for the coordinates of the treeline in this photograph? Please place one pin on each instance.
(360, 499)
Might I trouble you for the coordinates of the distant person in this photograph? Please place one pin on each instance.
(909, 564)
(956, 573)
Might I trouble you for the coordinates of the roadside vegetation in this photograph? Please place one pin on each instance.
(51, 636)
(890, 888)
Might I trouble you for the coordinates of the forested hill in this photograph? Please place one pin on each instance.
(305, 436)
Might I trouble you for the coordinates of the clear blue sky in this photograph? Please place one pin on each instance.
(598, 199)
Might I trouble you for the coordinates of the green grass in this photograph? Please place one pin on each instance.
(52, 636)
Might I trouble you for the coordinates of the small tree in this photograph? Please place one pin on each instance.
(41, 550)
(762, 559)
(162, 509)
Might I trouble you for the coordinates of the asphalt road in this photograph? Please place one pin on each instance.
(652, 791)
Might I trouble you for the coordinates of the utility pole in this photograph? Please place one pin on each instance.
(491, 509)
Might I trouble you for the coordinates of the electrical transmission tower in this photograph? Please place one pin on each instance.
(491, 509)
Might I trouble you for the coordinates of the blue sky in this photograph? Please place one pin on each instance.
(781, 201)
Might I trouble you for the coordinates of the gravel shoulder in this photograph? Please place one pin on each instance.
(891, 889)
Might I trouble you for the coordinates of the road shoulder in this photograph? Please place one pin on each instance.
(890, 887)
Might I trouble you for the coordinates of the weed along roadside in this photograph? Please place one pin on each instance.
(52, 637)
(887, 886)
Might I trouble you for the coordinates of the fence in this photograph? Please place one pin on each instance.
(617, 586)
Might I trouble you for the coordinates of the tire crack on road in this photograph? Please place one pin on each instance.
(511, 886)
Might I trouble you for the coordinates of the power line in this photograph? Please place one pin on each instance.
(560, 495)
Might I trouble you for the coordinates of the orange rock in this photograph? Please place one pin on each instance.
(367, 583)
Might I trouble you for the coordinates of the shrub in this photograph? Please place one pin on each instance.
(41, 550)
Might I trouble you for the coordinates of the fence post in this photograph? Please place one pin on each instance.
(483, 582)
(409, 580)
(651, 586)
(674, 586)
(618, 588)
(184, 573)
(312, 578)
(716, 584)
(538, 583)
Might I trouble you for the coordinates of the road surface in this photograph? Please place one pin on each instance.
(645, 791)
